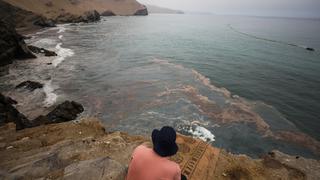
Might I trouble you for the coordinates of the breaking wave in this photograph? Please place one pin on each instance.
(62, 54)
(51, 97)
(61, 29)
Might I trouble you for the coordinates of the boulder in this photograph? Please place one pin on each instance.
(66, 111)
(95, 169)
(44, 22)
(12, 45)
(38, 50)
(8, 113)
(91, 16)
(108, 13)
(142, 12)
(30, 85)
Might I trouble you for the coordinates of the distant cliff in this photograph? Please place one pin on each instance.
(53, 9)
(161, 10)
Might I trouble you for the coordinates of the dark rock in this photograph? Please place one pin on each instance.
(272, 154)
(22, 19)
(26, 37)
(44, 22)
(66, 111)
(30, 85)
(309, 49)
(142, 12)
(38, 50)
(8, 113)
(91, 16)
(108, 13)
(68, 18)
(12, 45)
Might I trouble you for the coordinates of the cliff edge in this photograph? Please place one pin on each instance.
(52, 9)
(85, 150)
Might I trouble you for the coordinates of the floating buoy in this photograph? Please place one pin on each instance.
(309, 49)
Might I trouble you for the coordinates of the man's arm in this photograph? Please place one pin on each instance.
(178, 174)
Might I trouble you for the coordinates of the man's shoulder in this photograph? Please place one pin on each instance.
(141, 149)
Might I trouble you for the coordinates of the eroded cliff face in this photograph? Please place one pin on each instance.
(54, 8)
(84, 150)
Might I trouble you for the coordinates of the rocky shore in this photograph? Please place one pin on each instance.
(57, 145)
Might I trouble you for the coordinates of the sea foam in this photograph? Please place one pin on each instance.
(45, 42)
(201, 133)
(61, 29)
(62, 54)
(51, 97)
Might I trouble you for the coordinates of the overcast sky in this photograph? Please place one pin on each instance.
(296, 8)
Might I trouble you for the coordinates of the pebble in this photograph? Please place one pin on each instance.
(9, 147)
(224, 174)
(25, 138)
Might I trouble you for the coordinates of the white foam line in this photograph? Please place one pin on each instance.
(61, 29)
(51, 97)
(44, 42)
(60, 37)
(62, 54)
(202, 133)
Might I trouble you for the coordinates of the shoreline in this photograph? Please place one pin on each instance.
(240, 104)
(236, 168)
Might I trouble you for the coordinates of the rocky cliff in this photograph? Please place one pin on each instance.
(52, 9)
(85, 150)
(12, 45)
(22, 20)
(161, 10)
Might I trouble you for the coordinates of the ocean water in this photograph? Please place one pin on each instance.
(245, 84)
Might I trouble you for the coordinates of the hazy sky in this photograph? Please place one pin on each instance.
(296, 8)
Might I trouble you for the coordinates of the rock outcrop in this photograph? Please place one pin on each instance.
(88, 16)
(63, 112)
(108, 13)
(66, 111)
(22, 20)
(38, 50)
(84, 150)
(8, 113)
(91, 16)
(12, 45)
(142, 12)
(30, 85)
